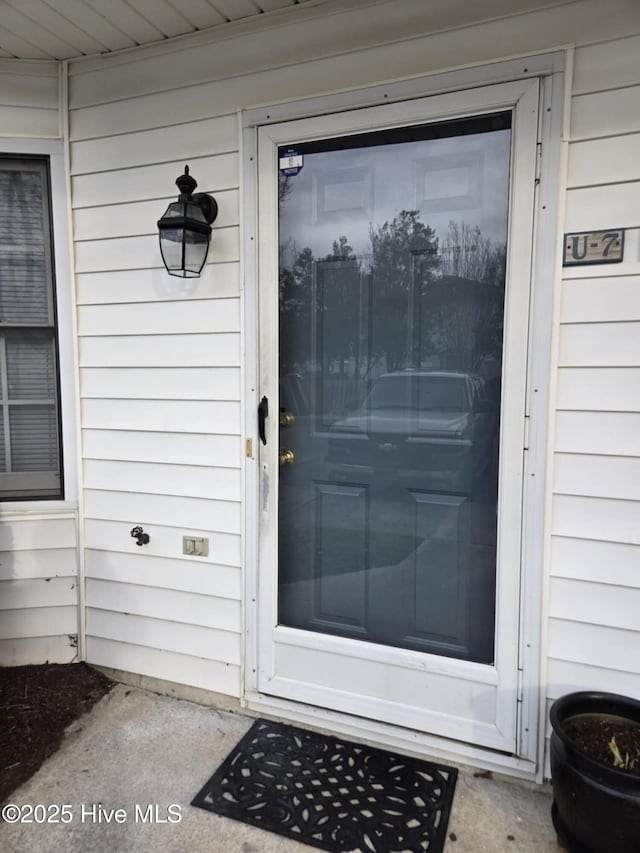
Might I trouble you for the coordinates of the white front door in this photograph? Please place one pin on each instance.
(394, 264)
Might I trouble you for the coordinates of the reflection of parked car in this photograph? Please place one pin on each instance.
(435, 430)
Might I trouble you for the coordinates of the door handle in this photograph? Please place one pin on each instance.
(286, 457)
(263, 414)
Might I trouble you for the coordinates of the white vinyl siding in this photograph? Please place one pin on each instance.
(39, 618)
(594, 595)
(161, 361)
(160, 394)
(29, 99)
(38, 588)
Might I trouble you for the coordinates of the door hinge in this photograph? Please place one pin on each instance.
(538, 162)
(527, 423)
(521, 732)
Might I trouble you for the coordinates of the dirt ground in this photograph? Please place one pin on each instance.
(37, 703)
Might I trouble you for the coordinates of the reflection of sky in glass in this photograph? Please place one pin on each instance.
(460, 178)
(393, 370)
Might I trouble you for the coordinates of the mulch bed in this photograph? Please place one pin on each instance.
(37, 703)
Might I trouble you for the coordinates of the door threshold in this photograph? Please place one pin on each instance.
(374, 733)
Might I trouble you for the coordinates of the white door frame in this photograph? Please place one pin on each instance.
(549, 68)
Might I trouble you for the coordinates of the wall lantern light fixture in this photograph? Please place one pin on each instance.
(185, 229)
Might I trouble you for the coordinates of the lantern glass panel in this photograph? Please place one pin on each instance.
(171, 240)
(195, 252)
(184, 247)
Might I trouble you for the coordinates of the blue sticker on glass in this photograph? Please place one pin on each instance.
(290, 161)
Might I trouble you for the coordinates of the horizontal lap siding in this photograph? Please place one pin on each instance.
(38, 588)
(160, 388)
(221, 451)
(38, 560)
(171, 572)
(137, 217)
(153, 286)
(110, 532)
(212, 80)
(188, 416)
(161, 358)
(139, 320)
(194, 140)
(594, 589)
(157, 479)
(29, 99)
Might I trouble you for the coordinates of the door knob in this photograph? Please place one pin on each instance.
(287, 419)
(286, 457)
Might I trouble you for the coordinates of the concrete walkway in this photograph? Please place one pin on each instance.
(137, 749)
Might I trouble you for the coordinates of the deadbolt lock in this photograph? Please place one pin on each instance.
(287, 419)
(286, 457)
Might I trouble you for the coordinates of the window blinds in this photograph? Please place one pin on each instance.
(29, 423)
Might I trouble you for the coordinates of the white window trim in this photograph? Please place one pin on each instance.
(553, 67)
(54, 150)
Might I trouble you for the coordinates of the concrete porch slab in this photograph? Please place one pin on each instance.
(147, 755)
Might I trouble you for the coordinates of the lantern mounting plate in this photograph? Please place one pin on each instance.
(207, 204)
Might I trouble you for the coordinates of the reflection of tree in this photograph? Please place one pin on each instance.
(339, 327)
(404, 261)
(284, 188)
(466, 305)
(467, 254)
(296, 288)
(464, 328)
(339, 306)
(408, 305)
(341, 250)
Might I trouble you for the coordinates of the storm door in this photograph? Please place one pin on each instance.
(394, 261)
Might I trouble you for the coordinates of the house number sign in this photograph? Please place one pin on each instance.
(593, 247)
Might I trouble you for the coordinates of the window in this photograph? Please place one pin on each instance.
(30, 445)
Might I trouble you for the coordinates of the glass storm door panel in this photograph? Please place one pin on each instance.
(392, 287)
(392, 272)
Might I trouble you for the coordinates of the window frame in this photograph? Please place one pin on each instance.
(27, 484)
(62, 296)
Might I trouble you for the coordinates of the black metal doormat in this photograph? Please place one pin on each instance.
(332, 794)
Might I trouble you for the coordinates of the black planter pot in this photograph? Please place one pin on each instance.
(596, 808)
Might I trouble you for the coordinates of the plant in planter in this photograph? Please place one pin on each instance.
(595, 770)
